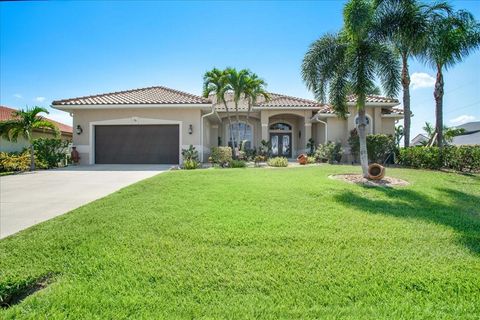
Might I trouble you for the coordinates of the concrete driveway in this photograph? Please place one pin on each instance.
(30, 198)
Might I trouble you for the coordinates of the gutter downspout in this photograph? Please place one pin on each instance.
(201, 130)
(315, 119)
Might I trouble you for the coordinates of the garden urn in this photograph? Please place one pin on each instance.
(302, 159)
(75, 155)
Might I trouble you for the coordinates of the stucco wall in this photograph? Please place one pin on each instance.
(185, 116)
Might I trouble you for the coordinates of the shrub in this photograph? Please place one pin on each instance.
(462, 158)
(190, 158)
(51, 151)
(190, 164)
(331, 152)
(237, 164)
(278, 162)
(18, 162)
(311, 160)
(379, 146)
(221, 155)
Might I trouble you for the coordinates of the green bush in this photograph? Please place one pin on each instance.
(10, 162)
(51, 151)
(462, 158)
(379, 146)
(190, 164)
(221, 155)
(190, 158)
(237, 164)
(331, 152)
(311, 160)
(278, 162)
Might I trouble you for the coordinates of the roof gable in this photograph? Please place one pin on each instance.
(149, 95)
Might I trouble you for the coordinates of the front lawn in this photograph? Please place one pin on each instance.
(257, 243)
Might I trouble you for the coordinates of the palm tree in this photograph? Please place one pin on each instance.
(255, 87)
(354, 56)
(23, 124)
(404, 24)
(215, 81)
(237, 81)
(451, 37)
(448, 133)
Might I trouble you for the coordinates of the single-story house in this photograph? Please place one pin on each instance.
(419, 140)
(22, 143)
(471, 136)
(152, 125)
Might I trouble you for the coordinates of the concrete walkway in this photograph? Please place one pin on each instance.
(30, 198)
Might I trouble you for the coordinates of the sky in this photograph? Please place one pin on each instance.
(56, 50)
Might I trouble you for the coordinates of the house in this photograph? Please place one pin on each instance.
(22, 143)
(152, 125)
(419, 140)
(471, 136)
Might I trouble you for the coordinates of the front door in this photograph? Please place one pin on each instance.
(281, 144)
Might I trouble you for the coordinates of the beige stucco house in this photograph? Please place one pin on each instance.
(152, 125)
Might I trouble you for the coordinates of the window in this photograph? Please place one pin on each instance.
(368, 127)
(281, 127)
(244, 135)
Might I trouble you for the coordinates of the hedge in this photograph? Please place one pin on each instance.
(461, 158)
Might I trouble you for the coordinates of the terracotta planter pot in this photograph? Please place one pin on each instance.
(376, 171)
(302, 159)
(75, 155)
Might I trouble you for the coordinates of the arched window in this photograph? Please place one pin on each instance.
(369, 126)
(281, 127)
(244, 135)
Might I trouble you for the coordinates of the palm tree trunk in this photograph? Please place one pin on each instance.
(362, 135)
(238, 124)
(406, 101)
(248, 118)
(32, 157)
(230, 128)
(438, 94)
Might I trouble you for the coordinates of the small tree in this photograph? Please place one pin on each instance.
(23, 124)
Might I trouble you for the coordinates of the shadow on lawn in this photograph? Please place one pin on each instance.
(455, 209)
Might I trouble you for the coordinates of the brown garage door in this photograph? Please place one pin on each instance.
(137, 144)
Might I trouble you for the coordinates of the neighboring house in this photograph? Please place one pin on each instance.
(22, 143)
(471, 136)
(419, 140)
(152, 125)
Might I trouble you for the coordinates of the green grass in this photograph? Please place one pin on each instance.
(257, 243)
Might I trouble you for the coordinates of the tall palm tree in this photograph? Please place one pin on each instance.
(237, 81)
(404, 24)
(451, 37)
(352, 58)
(255, 88)
(23, 124)
(216, 81)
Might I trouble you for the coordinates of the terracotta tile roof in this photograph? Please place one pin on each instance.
(327, 109)
(373, 99)
(150, 95)
(6, 114)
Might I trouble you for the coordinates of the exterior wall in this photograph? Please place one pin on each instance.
(184, 117)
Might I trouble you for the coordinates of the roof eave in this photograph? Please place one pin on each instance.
(375, 104)
(287, 108)
(68, 107)
(393, 115)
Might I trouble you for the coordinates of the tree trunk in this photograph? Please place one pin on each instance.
(248, 119)
(362, 135)
(32, 157)
(406, 101)
(237, 116)
(230, 127)
(438, 94)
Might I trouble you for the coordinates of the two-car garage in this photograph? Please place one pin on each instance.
(137, 144)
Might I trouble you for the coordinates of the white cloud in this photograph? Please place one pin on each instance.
(464, 118)
(40, 99)
(421, 80)
(18, 96)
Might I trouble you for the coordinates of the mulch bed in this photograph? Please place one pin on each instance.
(359, 179)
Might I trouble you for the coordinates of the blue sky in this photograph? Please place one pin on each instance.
(53, 50)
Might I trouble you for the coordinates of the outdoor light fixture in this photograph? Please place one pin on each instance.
(190, 129)
(79, 129)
